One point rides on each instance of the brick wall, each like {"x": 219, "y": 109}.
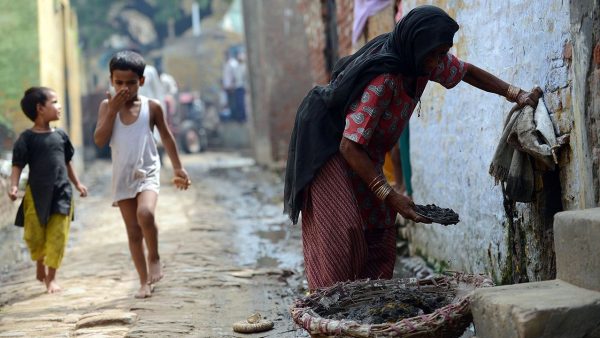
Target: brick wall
{"x": 280, "y": 72}
{"x": 315, "y": 37}
{"x": 380, "y": 23}
{"x": 345, "y": 16}
{"x": 286, "y": 43}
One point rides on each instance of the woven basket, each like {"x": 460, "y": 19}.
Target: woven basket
{"x": 447, "y": 321}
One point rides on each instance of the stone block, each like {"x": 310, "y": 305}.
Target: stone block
{"x": 234, "y": 135}
{"x": 577, "y": 247}
{"x": 546, "y": 309}
{"x": 106, "y": 319}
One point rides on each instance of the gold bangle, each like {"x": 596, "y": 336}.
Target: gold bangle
{"x": 373, "y": 180}
{"x": 377, "y": 192}
{"x": 383, "y": 191}
{"x": 386, "y": 192}
{"x": 376, "y": 182}
{"x": 512, "y": 93}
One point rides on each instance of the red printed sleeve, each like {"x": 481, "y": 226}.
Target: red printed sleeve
{"x": 364, "y": 114}
{"x": 450, "y": 71}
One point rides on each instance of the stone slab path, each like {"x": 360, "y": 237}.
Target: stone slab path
{"x": 228, "y": 252}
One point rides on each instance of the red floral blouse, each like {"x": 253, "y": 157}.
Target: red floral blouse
{"x": 376, "y": 120}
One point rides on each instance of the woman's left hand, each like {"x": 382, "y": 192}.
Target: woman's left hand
{"x": 529, "y": 98}
{"x": 405, "y": 207}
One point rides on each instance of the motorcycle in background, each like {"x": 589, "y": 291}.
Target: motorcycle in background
{"x": 187, "y": 123}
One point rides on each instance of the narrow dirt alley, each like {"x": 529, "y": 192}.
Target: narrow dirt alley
{"x": 227, "y": 249}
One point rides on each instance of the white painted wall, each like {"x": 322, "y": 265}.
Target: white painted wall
{"x": 453, "y": 141}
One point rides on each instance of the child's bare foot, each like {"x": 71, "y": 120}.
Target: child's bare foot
{"x": 156, "y": 274}
{"x": 145, "y": 291}
{"x": 40, "y": 271}
{"x": 52, "y": 287}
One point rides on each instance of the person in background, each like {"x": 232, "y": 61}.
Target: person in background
{"x": 234, "y": 82}
{"x": 229, "y": 82}
{"x": 154, "y": 88}
{"x": 392, "y": 170}
{"x": 240, "y": 87}
{"x": 169, "y": 84}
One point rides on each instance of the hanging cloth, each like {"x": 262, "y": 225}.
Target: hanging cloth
{"x": 363, "y": 9}
{"x": 528, "y": 134}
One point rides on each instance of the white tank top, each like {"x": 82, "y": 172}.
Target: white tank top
{"x": 135, "y": 161}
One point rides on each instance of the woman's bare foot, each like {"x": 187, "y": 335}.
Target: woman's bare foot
{"x": 40, "y": 271}
{"x": 155, "y": 271}
{"x": 145, "y": 291}
{"x": 52, "y": 286}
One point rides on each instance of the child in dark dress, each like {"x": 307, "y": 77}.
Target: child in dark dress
{"x": 47, "y": 207}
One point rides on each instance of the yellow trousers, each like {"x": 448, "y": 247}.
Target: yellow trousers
{"x": 45, "y": 242}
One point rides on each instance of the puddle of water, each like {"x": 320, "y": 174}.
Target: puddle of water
{"x": 263, "y": 236}
{"x": 275, "y": 236}
{"x": 267, "y": 262}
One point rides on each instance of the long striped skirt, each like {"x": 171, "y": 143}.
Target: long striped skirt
{"x": 336, "y": 246}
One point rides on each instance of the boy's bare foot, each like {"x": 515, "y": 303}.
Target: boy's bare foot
{"x": 156, "y": 274}
{"x": 40, "y": 271}
{"x": 145, "y": 291}
{"x": 52, "y": 287}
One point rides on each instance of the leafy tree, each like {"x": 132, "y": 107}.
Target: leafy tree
{"x": 96, "y": 26}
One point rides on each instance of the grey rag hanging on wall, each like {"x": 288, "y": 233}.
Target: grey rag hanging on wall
{"x": 528, "y": 134}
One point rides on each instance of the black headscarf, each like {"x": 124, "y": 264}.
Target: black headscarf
{"x": 320, "y": 118}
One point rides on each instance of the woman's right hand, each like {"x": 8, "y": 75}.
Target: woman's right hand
{"x": 525, "y": 98}
{"x": 403, "y": 205}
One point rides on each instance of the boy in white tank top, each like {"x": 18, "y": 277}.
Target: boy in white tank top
{"x": 127, "y": 121}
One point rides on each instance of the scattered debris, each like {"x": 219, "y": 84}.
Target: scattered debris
{"x": 377, "y": 306}
{"x": 252, "y": 324}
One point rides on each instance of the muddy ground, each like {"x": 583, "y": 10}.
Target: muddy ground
{"x": 227, "y": 248}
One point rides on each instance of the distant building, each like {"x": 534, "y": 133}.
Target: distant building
{"x": 290, "y": 46}
{"x": 39, "y": 48}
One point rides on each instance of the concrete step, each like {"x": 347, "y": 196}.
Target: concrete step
{"x": 546, "y": 309}
{"x": 577, "y": 247}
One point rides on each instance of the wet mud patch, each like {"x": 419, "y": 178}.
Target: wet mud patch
{"x": 274, "y": 236}
{"x": 205, "y": 229}
{"x": 267, "y": 262}
{"x": 263, "y": 236}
